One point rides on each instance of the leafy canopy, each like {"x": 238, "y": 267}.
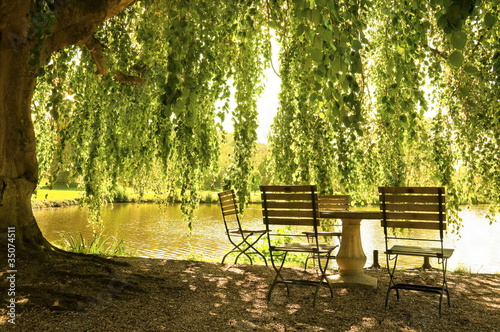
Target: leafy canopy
{"x": 372, "y": 93}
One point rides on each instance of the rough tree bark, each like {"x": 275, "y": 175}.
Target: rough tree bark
{"x": 76, "y": 22}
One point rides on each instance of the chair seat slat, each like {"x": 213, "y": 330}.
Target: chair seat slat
{"x": 288, "y": 205}
{"x": 413, "y": 199}
{"x": 229, "y": 212}
{"x": 414, "y": 216}
{"x": 421, "y": 251}
{"x": 411, "y": 190}
{"x": 291, "y": 213}
{"x": 413, "y": 224}
{"x": 305, "y": 247}
{"x": 290, "y": 221}
{"x": 333, "y": 206}
{"x": 289, "y": 188}
{"x": 411, "y": 207}
{"x": 227, "y": 199}
{"x": 287, "y": 196}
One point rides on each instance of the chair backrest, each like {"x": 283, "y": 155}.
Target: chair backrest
{"x": 413, "y": 207}
{"x": 290, "y": 205}
{"x": 229, "y": 210}
{"x": 333, "y": 202}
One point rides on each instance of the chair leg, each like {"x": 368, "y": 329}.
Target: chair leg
{"x": 323, "y": 279}
{"x": 227, "y": 254}
{"x": 236, "y": 248}
{"x": 244, "y": 251}
{"x": 305, "y": 264}
{"x": 255, "y": 251}
{"x": 444, "y": 264}
{"x": 391, "y": 275}
{"x": 278, "y": 276}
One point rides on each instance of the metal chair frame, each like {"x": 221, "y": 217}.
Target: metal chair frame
{"x": 294, "y": 206}
{"x": 415, "y": 208}
{"x": 240, "y": 238}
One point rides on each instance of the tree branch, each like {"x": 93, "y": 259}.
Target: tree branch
{"x": 124, "y": 78}
{"x": 436, "y": 52}
{"x": 95, "y": 47}
{"x": 77, "y": 20}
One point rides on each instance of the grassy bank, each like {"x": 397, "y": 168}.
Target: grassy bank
{"x": 62, "y": 195}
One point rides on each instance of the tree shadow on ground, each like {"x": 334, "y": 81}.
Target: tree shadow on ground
{"x": 77, "y": 293}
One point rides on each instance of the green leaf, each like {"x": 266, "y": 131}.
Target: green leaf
{"x": 471, "y": 69}
{"x": 313, "y": 97}
{"x": 316, "y": 16}
{"x": 273, "y": 25}
{"x": 356, "y": 66}
{"x": 489, "y": 20}
{"x": 317, "y": 54}
{"x": 337, "y": 65}
{"x": 325, "y": 34}
{"x": 356, "y": 45}
{"x": 459, "y": 39}
{"x": 456, "y": 58}
{"x": 464, "y": 92}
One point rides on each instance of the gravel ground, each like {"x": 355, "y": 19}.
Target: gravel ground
{"x": 86, "y": 293}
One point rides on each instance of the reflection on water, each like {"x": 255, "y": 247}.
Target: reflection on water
{"x": 161, "y": 233}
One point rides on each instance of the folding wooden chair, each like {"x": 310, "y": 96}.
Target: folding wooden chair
{"x": 240, "y": 238}
{"x": 329, "y": 203}
{"x": 415, "y": 208}
{"x": 297, "y": 208}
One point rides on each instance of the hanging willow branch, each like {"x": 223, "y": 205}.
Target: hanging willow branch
{"x": 330, "y": 129}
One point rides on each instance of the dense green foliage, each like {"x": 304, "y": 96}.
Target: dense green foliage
{"x": 373, "y": 93}
{"x": 390, "y": 93}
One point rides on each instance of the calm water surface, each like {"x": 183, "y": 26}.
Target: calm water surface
{"x": 161, "y": 233}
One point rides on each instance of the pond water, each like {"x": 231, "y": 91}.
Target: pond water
{"x": 160, "y": 232}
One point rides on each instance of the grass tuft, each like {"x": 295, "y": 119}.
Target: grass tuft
{"x": 98, "y": 245}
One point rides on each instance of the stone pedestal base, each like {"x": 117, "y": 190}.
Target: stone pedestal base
{"x": 351, "y": 258}
{"x": 354, "y": 281}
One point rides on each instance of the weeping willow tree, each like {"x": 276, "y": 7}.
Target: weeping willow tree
{"x": 126, "y": 92}
{"x": 389, "y": 93}
{"x": 148, "y": 118}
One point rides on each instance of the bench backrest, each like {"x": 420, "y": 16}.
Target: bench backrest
{"x": 229, "y": 209}
{"x": 290, "y": 205}
{"x": 333, "y": 202}
{"x": 413, "y": 207}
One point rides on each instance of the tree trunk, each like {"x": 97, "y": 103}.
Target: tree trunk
{"x": 76, "y": 21}
{"x": 18, "y": 165}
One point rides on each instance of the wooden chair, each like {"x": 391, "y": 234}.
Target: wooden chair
{"x": 415, "y": 208}
{"x": 329, "y": 203}
{"x": 240, "y": 238}
{"x": 295, "y": 207}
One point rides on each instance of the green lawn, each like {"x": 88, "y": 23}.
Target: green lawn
{"x": 56, "y": 194}
{"x": 63, "y": 192}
